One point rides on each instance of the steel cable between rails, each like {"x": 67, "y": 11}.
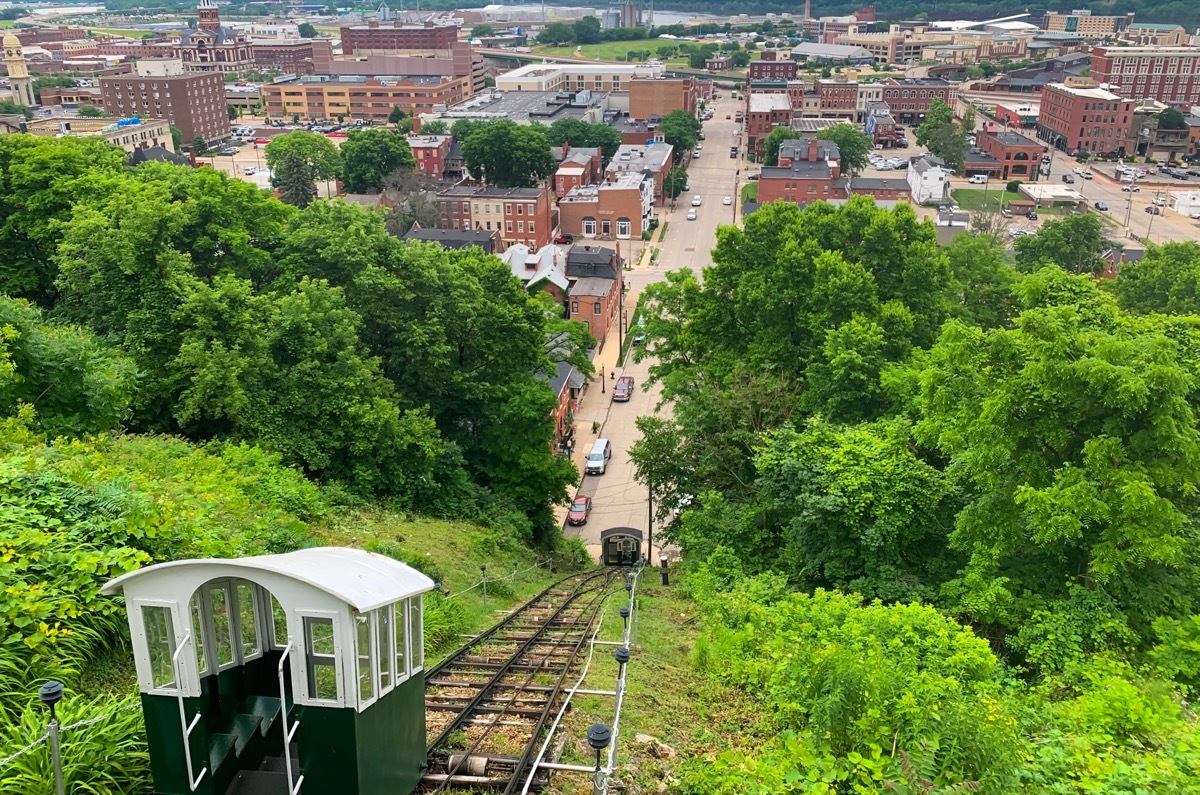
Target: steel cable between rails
{"x": 591, "y": 610}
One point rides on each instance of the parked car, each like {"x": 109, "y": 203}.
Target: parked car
{"x": 639, "y": 338}
{"x": 262, "y": 141}
{"x": 727, "y": 201}
{"x": 1154, "y": 210}
{"x": 580, "y": 508}
{"x": 1131, "y": 188}
{"x": 229, "y": 150}
{"x": 1087, "y": 175}
{"x": 1159, "y": 201}
{"x": 1031, "y": 215}
{"x": 1103, "y": 206}
{"x": 623, "y": 390}
{"x": 1078, "y": 171}
{"x": 564, "y": 240}
{"x": 250, "y": 170}
{"x": 1015, "y": 232}
{"x": 696, "y": 155}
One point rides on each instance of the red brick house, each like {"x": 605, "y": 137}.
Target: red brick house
{"x": 807, "y": 171}
{"x": 765, "y": 112}
{"x": 576, "y": 167}
{"x": 1018, "y": 156}
{"x": 521, "y": 215}
{"x": 431, "y": 152}
{"x": 597, "y": 283}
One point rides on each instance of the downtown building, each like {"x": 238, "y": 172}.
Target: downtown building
{"x": 1080, "y": 115}
{"x": 1170, "y": 75}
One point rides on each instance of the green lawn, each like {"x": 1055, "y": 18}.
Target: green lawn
{"x": 972, "y": 199}
{"x": 612, "y": 50}
{"x": 750, "y": 192}
{"x": 7, "y": 23}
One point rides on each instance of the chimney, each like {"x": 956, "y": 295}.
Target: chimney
{"x": 566, "y": 148}
{"x": 812, "y": 150}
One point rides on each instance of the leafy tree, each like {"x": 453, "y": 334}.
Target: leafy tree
{"x": 41, "y": 180}
{"x": 853, "y": 144}
{"x": 230, "y": 110}
{"x": 369, "y": 155}
{"x": 568, "y": 131}
{"x": 199, "y": 145}
{"x": 556, "y": 33}
{"x": 462, "y": 129}
{"x": 741, "y": 59}
{"x": 1076, "y": 243}
{"x": 1074, "y": 436}
{"x": 586, "y": 30}
{"x": 508, "y": 155}
{"x": 51, "y": 81}
{"x": 675, "y": 182}
{"x": 434, "y": 127}
{"x": 419, "y": 208}
{"x": 176, "y": 138}
{"x": 1167, "y": 279}
{"x": 681, "y": 130}
{"x": 604, "y": 138}
{"x": 74, "y": 384}
{"x": 942, "y": 135}
{"x": 1171, "y": 119}
{"x": 696, "y": 59}
{"x": 397, "y": 115}
{"x": 307, "y": 31}
{"x": 858, "y": 510}
{"x": 316, "y": 152}
{"x": 480, "y": 31}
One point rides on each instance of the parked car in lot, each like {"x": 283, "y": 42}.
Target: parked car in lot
{"x": 563, "y": 240}
{"x": 1154, "y": 210}
{"x": 250, "y": 170}
{"x": 623, "y": 390}
{"x": 580, "y": 508}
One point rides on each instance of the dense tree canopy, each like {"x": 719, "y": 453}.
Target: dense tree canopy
{"x": 507, "y": 154}
{"x": 369, "y": 156}
{"x": 681, "y": 130}
{"x": 943, "y": 136}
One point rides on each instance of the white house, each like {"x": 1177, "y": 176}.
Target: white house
{"x": 1186, "y": 202}
{"x": 929, "y": 180}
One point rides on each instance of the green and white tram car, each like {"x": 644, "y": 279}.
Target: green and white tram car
{"x": 292, "y": 673}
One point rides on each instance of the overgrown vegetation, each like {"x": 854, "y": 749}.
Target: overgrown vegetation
{"x": 932, "y": 486}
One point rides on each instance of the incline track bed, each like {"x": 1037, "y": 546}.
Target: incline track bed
{"x": 487, "y": 705}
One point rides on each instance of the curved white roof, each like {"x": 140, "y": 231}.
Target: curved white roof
{"x": 363, "y": 580}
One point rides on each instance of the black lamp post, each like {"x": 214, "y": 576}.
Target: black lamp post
{"x": 624, "y": 611}
{"x": 622, "y": 656}
{"x": 662, "y": 559}
{"x": 50, "y": 694}
{"x": 483, "y": 574}
{"x": 598, "y": 737}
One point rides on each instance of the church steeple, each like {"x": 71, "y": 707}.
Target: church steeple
{"x": 210, "y": 17}
{"x": 18, "y": 70}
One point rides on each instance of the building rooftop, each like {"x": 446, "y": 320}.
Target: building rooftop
{"x": 926, "y": 82}
{"x": 1163, "y": 26}
{"x": 1095, "y": 92}
{"x": 879, "y": 183}
{"x": 422, "y": 141}
{"x": 799, "y": 168}
{"x": 492, "y": 192}
{"x": 351, "y": 80}
{"x": 592, "y": 286}
{"x": 455, "y": 238}
{"x": 1013, "y": 139}
{"x": 526, "y": 106}
{"x": 655, "y": 156}
{"x": 815, "y": 125}
{"x": 927, "y": 162}
{"x": 847, "y": 51}
{"x": 769, "y": 103}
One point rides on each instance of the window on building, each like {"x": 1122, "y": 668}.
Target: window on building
{"x": 575, "y": 307}
{"x": 596, "y": 308}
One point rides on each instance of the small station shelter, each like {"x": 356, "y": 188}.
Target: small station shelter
{"x": 290, "y": 673}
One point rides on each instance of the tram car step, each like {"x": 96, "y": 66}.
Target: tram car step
{"x": 258, "y": 782}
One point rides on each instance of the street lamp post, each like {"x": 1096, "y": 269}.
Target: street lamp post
{"x": 50, "y": 694}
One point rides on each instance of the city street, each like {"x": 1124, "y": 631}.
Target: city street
{"x": 618, "y": 500}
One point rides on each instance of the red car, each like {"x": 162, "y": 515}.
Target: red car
{"x": 623, "y": 389}
{"x": 579, "y": 510}
{"x": 563, "y": 240}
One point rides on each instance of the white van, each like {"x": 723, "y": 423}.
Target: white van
{"x": 597, "y": 458}
{"x": 978, "y": 179}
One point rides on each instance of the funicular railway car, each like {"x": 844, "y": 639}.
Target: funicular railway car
{"x": 621, "y": 546}
{"x": 293, "y": 673}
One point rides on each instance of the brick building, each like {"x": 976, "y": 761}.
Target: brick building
{"x": 596, "y": 286}
{"x": 193, "y": 102}
{"x": 765, "y": 112}
{"x": 1166, "y": 74}
{"x": 1086, "y": 23}
{"x": 378, "y": 38}
{"x": 910, "y": 97}
{"x": 431, "y": 152}
{"x": 212, "y": 47}
{"x": 1079, "y": 115}
{"x": 1018, "y": 156}
{"x": 881, "y": 189}
{"x": 655, "y": 97}
{"x": 839, "y": 98}
{"x": 621, "y": 208}
{"x": 521, "y": 215}
{"x": 357, "y": 97}
{"x": 806, "y": 173}
{"x": 771, "y": 69}
{"x": 293, "y": 56}
{"x": 655, "y": 158}
{"x": 43, "y": 35}
{"x": 72, "y": 96}
{"x": 576, "y": 167}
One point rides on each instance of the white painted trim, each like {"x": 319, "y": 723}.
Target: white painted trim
{"x": 300, "y": 661}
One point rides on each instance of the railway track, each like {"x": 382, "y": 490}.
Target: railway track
{"x": 487, "y": 705}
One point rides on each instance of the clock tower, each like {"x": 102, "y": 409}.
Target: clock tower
{"x": 18, "y": 71}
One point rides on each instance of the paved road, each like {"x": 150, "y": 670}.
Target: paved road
{"x": 618, "y": 499}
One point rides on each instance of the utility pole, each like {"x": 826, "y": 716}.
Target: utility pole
{"x": 649, "y": 518}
